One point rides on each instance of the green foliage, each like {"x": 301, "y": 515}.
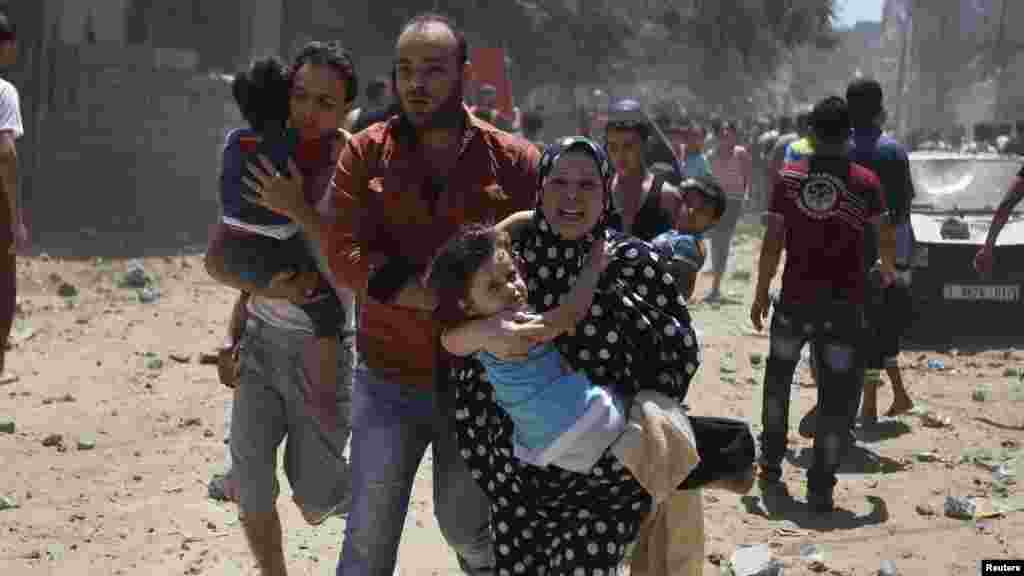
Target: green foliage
{"x": 734, "y": 43}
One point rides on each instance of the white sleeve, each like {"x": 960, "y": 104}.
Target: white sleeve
{"x": 10, "y": 110}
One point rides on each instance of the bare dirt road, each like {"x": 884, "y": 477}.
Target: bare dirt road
{"x": 140, "y": 424}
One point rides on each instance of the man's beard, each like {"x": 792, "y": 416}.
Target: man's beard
{"x": 448, "y": 116}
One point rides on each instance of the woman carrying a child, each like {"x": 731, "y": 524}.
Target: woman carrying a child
{"x": 566, "y": 492}
{"x": 279, "y": 332}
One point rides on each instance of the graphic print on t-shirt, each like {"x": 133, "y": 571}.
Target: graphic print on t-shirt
{"x": 820, "y": 194}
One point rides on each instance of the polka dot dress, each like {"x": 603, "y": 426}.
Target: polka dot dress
{"x": 548, "y": 521}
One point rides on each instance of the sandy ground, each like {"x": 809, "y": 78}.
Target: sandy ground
{"x": 141, "y": 424}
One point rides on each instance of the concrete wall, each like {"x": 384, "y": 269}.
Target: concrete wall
{"x": 131, "y": 154}
{"x": 104, "y": 18}
{"x": 123, "y": 146}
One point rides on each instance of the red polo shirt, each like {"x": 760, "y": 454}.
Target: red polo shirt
{"x": 826, "y": 206}
{"x": 390, "y": 206}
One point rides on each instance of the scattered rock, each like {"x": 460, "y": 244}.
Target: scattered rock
{"x": 211, "y": 526}
{"x": 814, "y": 556}
{"x": 6, "y": 426}
{"x": 207, "y": 359}
{"x": 53, "y": 440}
{"x": 888, "y": 569}
{"x": 66, "y": 290}
{"x": 1004, "y": 473}
{"x": 8, "y": 503}
{"x": 755, "y": 560}
{"x": 932, "y": 420}
{"x": 208, "y": 433}
{"x": 925, "y": 509}
{"x": 960, "y": 508}
{"x": 86, "y": 443}
{"x": 1017, "y": 391}
{"x": 55, "y": 551}
{"x": 135, "y": 276}
{"x": 190, "y": 422}
{"x": 180, "y": 358}
{"x": 981, "y": 394}
{"x": 148, "y": 295}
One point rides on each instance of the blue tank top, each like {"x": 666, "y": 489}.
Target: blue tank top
{"x": 542, "y": 400}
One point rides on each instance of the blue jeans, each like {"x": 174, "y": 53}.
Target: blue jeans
{"x": 392, "y": 425}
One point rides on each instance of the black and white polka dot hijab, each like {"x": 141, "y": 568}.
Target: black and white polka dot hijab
{"x": 638, "y": 332}
{"x": 542, "y": 247}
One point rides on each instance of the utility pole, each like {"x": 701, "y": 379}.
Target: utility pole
{"x": 901, "y": 75}
{"x": 1001, "y": 61}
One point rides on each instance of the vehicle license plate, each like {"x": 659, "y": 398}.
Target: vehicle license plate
{"x": 993, "y": 293}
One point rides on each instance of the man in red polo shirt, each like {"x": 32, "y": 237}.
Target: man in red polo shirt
{"x": 402, "y": 188}
{"x": 820, "y": 211}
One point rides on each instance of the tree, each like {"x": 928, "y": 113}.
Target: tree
{"x": 550, "y": 41}
{"x": 740, "y": 44}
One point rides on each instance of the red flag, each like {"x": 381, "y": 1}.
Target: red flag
{"x": 489, "y": 68}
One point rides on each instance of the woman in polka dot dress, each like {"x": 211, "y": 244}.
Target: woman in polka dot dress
{"x": 637, "y": 334}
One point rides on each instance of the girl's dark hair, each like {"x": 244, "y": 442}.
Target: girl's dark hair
{"x": 331, "y": 54}
{"x": 455, "y": 264}
{"x": 262, "y": 94}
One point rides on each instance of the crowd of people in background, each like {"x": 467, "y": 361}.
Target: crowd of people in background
{"x": 529, "y": 302}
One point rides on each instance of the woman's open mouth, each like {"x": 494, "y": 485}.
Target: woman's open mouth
{"x": 571, "y": 215}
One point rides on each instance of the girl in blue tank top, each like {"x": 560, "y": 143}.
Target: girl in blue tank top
{"x": 561, "y": 418}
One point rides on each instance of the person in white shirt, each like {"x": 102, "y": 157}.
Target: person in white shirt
{"x": 13, "y": 234}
